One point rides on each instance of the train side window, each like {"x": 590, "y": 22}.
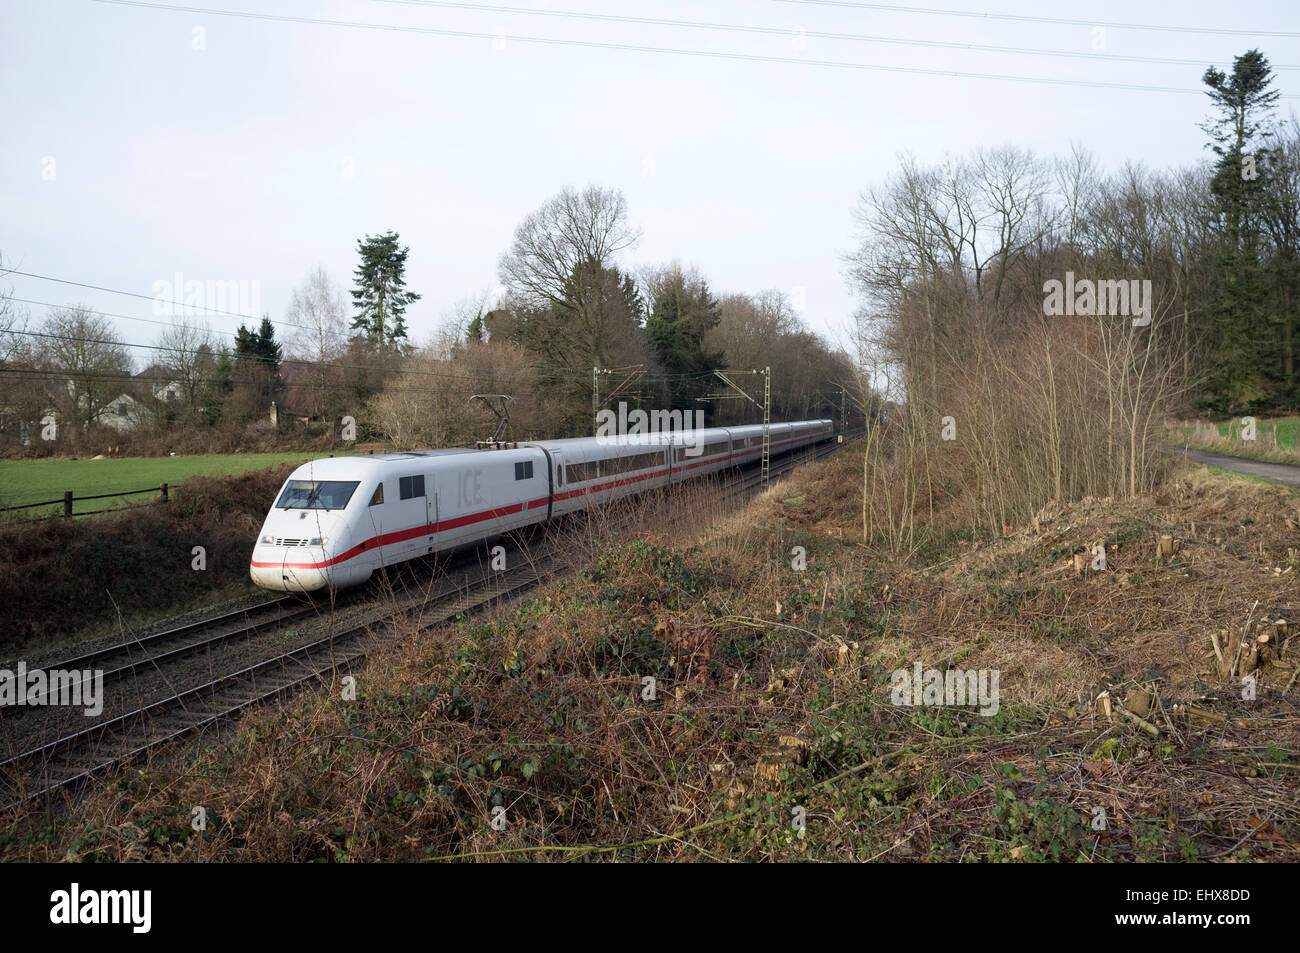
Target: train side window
{"x": 378, "y": 498}
{"x": 524, "y": 470}
{"x": 559, "y": 475}
{"x": 409, "y": 487}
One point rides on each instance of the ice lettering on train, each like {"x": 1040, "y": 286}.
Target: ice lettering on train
{"x": 470, "y": 483}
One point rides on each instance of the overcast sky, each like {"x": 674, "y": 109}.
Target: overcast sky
{"x": 140, "y": 143}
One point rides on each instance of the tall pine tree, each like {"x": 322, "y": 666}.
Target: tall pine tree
{"x": 380, "y": 295}
{"x": 1242, "y": 332}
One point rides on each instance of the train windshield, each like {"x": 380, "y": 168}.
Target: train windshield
{"x": 317, "y": 494}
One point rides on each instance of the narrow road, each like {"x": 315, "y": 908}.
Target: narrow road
{"x": 1277, "y": 472}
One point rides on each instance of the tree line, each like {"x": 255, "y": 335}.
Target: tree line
{"x": 575, "y": 329}
{"x": 957, "y": 264}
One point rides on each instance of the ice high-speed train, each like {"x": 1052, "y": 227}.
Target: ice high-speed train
{"x": 339, "y": 519}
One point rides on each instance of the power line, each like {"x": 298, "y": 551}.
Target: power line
{"x": 136, "y": 294}
{"x": 577, "y": 372}
{"x": 1023, "y": 18}
{"x": 125, "y": 379}
{"x": 254, "y": 358}
{"x": 248, "y": 358}
{"x": 131, "y": 317}
{"x": 787, "y": 33}
{"x": 675, "y": 51}
{"x": 545, "y": 373}
{"x": 107, "y": 314}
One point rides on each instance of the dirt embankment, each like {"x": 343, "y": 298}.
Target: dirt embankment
{"x": 694, "y": 694}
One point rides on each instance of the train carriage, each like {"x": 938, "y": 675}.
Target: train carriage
{"x": 339, "y": 519}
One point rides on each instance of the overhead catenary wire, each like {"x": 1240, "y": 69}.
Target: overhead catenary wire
{"x": 468, "y": 381}
{"x": 674, "y": 51}
{"x": 125, "y": 380}
{"x": 801, "y": 32}
{"x": 1030, "y": 18}
{"x": 545, "y": 370}
{"x": 184, "y": 308}
{"x": 567, "y": 374}
{"x": 145, "y": 297}
{"x": 577, "y": 372}
{"x": 38, "y": 374}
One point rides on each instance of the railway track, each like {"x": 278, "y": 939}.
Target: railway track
{"x": 75, "y": 757}
{"x": 68, "y": 761}
{"x": 126, "y": 658}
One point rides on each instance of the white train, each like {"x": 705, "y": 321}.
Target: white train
{"x": 339, "y": 519}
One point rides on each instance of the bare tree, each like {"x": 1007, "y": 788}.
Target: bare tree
{"x": 1033, "y": 407}
{"x": 89, "y": 365}
{"x": 1013, "y": 190}
{"x": 1077, "y": 181}
{"x": 465, "y": 322}
{"x": 20, "y": 399}
{"x": 318, "y": 310}
{"x": 187, "y": 358}
{"x": 750, "y": 326}
{"x": 563, "y": 262}
{"x": 13, "y": 323}
{"x": 572, "y": 230}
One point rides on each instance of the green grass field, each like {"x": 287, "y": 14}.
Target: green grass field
{"x": 1277, "y": 439}
{"x": 1288, "y": 430}
{"x": 31, "y": 481}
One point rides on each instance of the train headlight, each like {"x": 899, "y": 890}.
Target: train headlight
{"x": 269, "y": 540}
{"x": 319, "y": 541}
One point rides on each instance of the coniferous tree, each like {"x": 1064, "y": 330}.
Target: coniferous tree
{"x": 257, "y": 360}
{"x": 268, "y": 349}
{"x": 380, "y": 295}
{"x": 218, "y": 387}
{"x": 474, "y": 331}
{"x": 1282, "y": 224}
{"x": 1241, "y": 329}
{"x": 682, "y": 311}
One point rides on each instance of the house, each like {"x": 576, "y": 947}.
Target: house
{"x": 159, "y": 383}
{"x": 122, "y": 413}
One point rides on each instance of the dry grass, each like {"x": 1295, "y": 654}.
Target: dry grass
{"x": 1275, "y": 439}
{"x": 772, "y": 697}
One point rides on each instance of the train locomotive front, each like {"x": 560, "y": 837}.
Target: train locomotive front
{"x": 308, "y": 540}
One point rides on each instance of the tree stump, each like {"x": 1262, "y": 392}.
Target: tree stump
{"x": 1167, "y": 547}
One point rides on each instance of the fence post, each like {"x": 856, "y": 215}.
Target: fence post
{"x": 67, "y": 502}
{"x": 164, "y": 492}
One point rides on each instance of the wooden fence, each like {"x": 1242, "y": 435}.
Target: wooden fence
{"x": 68, "y": 499}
